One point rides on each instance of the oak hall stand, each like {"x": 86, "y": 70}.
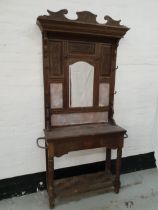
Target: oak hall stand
{"x": 79, "y": 64}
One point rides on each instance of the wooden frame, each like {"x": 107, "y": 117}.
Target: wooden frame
{"x": 65, "y": 42}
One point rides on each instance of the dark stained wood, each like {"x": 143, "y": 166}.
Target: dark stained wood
{"x": 66, "y": 76}
{"x": 50, "y": 175}
{"x": 84, "y": 16}
{"x": 79, "y": 137}
{"x": 60, "y": 15}
{"x": 83, "y": 130}
{"x": 117, "y": 182}
{"x": 112, "y": 22}
{"x": 86, "y": 23}
{"x": 81, "y": 48}
{"x": 112, "y": 83}
{"x": 83, "y": 183}
{"x": 55, "y": 56}
{"x": 65, "y": 42}
{"x": 45, "y": 78}
{"x": 105, "y": 63}
{"x": 105, "y": 79}
{"x": 65, "y": 146}
{"x": 108, "y": 159}
{"x": 79, "y": 110}
{"x": 75, "y": 58}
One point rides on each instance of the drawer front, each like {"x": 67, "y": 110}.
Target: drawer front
{"x": 91, "y": 142}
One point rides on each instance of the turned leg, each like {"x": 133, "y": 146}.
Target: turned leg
{"x": 118, "y": 168}
{"x": 50, "y": 175}
{"x": 108, "y": 160}
{"x": 46, "y": 153}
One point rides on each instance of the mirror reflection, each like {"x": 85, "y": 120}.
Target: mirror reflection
{"x": 81, "y": 79}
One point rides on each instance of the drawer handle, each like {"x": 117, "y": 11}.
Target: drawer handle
{"x": 38, "y": 140}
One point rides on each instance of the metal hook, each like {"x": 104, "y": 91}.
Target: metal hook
{"x": 125, "y": 135}
{"x": 115, "y": 68}
{"x": 37, "y": 142}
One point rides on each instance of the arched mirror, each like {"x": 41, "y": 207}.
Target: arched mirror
{"x": 81, "y": 82}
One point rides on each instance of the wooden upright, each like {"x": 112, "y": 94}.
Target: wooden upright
{"x": 77, "y": 117}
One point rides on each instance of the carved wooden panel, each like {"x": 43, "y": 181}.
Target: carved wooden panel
{"x": 55, "y": 58}
{"x": 79, "y": 118}
{"x": 81, "y": 48}
{"x": 105, "y": 55}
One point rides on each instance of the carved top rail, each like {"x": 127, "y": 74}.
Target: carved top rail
{"x": 84, "y": 24}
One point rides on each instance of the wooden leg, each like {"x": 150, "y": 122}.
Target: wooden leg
{"x": 118, "y": 168}
{"x": 108, "y": 160}
{"x": 46, "y": 153}
{"x": 50, "y": 176}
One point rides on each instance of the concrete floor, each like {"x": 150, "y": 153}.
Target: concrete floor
{"x": 139, "y": 192}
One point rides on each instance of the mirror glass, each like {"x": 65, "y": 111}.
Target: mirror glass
{"x": 81, "y": 79}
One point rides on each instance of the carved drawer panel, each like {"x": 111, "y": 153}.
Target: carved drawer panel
{"x": 55, "y": 58}
{"x": 81, "y": 48}
{"x": 105, "y": 55}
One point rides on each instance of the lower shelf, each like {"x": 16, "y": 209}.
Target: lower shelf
{"x": 84, "y": 183}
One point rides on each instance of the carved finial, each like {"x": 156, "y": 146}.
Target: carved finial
{"x": 111, "y": 21}
{"x": 86, "y": 17}
{"x": 60, "y": 15}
